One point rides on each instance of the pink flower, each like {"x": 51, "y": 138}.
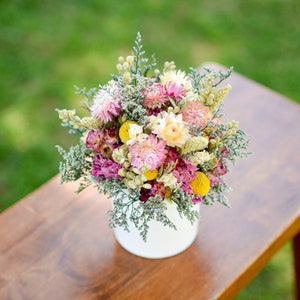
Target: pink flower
{"x": 105, "y": 168}
{"x": 197, "y": 199}
{"x": 224, "y": 152}
{"x": 185, "y": 172}
{"x": 154, "y": 98}
{"x": 103, "y": 141}
{"x": 196, "y": 114}
{"x": 105, "y": 106}
{"x": 175, "y": 91}
{"x": 149, "y": 152}
{"x": 220, "y": 169}
{"x": 171, "y": 157}
{"x": 214, "y": 180}
{"x": 94, "y": 140}
{"x": 157, "y": 188}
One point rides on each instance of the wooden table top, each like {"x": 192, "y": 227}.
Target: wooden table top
{"x": 57, "y": 245}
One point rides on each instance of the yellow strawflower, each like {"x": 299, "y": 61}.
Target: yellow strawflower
{"x": 200, "y": 185}
{"x": 150, "y": 175}
{"x": 123, "y": 131}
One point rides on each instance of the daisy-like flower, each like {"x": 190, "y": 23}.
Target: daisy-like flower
{"x": 172, "y": 129}
{"x": 135, "y": 133}
{"x": 148, "y": 152}
{"x": 178, "y": 77}
{"x": 196, "y": 114}
{"x": 175, "y": 91}
{"x": 105, "y": 106}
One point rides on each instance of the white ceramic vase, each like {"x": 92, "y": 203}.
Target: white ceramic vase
{"x": 162, "y": 241}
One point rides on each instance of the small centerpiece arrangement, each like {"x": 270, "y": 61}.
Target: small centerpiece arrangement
{"x": 154, "y": 141}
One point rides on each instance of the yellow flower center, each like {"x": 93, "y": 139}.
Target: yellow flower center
{"x": 124, "y": 131}
{"x": 201, "y": 184}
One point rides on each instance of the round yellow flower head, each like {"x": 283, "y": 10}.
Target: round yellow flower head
{"x": 200, "y": 185}
{"x": 150, "y": 175}
{"x": 124, "y": 131}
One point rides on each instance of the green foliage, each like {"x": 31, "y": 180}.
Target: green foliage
{"x": 140, "y": 68}
{"x": 74, "y": 164}
{"x": 218, "y": 194}
{"x": 139, "y": 213}
{"x": 132, "y": 102}
{"x": 185, "y": 206}
{"x": 219, "y": 76}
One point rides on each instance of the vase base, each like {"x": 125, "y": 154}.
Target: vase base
{"x": 151, "y": 249}
{"x": 162, "y": 241}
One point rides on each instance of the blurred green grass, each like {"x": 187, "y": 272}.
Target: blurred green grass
{"x": 46, "y": 47}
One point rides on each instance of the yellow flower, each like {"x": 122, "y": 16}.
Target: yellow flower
{"x": 150, "y": 175}
{"x": 168, "y": 192}
{"x": 123, "y": 131}
{"x": 200, "y": 185}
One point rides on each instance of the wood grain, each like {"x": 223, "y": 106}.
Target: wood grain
{"x": 57, "y": 245}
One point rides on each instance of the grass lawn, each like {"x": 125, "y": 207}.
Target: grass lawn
{"x": 46, "y": 47}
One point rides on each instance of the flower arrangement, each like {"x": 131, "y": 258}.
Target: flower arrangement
{"x": 153, "y": 137}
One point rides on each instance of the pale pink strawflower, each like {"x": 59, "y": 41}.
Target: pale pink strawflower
{"x": 175, "y": 91}
{"x": 178, "y": 77}
{"x": 105, "y": 106}
{"x": 196, "y": 114}
{"x": 154, "y": 98}
{"x": 149, "y": 152}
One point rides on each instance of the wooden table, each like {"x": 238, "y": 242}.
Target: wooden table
{"x": 57, "y": 245}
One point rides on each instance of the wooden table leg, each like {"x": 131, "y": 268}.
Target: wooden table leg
{"x": 296, "y": 245}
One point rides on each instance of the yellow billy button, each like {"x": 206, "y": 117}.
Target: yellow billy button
{"x": 123, "y": 131}
{"x": 150, "y": 175}
{"x": 200, "y": 185}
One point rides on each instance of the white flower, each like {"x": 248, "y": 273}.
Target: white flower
{"x": 169, "y": 180}
{"x": 172, "y": 129}
{"x": 178, "y": 77}
{"x": 201, "y": 157}
{"x": 135, "y": 133}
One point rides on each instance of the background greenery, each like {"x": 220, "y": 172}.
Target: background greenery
{"x": 46, "y": 47}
